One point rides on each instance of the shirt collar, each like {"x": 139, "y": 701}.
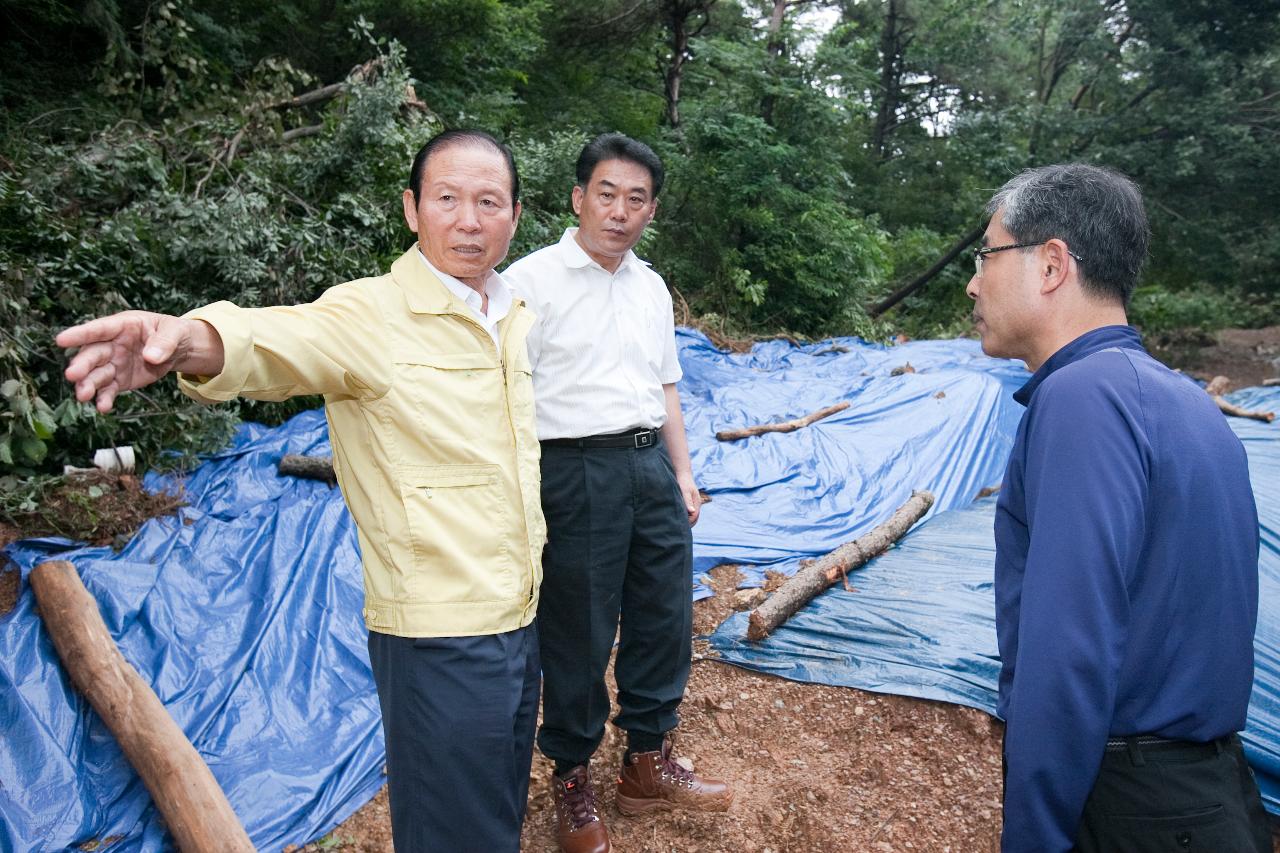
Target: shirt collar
{"x": 1096, "y": 340}
{"x": 495, "y": 288}
{"x": 576, "y": 257}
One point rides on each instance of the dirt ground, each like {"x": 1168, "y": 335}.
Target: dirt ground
{"x": 1245, "y": 356}
{"x": 813, "y": 767}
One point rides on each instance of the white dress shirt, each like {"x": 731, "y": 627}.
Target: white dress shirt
{"x": 494, "y": 287}
{"x": 603, "y": 344}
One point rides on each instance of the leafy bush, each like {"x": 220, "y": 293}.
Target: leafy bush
{"x": 1156, "y": 311}
{"x": 232, "y": 195}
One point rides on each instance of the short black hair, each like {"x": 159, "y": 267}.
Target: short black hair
{"x": 616, "y": 146}
{"x": 1096, "y": 211}
{"x": 450, "y": 138}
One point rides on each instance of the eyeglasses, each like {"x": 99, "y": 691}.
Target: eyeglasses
{"x": 980, "y": 253}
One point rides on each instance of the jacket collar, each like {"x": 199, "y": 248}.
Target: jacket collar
{"x": 423, "y": 291}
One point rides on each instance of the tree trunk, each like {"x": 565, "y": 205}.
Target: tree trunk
{"x": 905, "y": 291}
{"x": 307, "y": 467}
{"x": 825, "y": 571}
{"x": 679, "y": 14}
{"x": 890, "y": 78}
{"x": 185, "y": 792}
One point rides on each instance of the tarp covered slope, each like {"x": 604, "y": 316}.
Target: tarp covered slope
{"x": 922, "y": 619}
{"x": 776, "y": 498}
{"x": 243, "y": 614}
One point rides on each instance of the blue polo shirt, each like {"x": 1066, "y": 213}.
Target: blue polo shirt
{"x": 1126, "y": 576}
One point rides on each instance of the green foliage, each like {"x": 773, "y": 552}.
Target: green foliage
{"x": 147, "y": 158}
{"x": 788, "y": 253}
{"x": 160, "y": 215}
{"x": 1155, "y": 310}
{"x": 546, "y": 167}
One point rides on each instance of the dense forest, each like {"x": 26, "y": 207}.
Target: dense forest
{"x": 823, "y": 157}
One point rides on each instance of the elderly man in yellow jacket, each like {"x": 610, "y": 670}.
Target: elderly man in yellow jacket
{"x": 428, "y": 395}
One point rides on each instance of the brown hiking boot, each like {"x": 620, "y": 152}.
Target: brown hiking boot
{"x": 653, "y": 781}
{"x": 579, "y": 828}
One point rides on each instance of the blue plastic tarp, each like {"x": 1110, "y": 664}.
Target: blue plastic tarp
{"x": 776, "y": 498}
{"x": 243, "y": 614}
{"x": 922, "y": 619}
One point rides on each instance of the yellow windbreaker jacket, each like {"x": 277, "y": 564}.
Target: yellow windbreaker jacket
{"x": 433, "y": 440}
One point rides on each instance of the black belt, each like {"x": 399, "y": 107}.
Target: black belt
{"x": 634, "y": 438}
{"x": 1151, "y": 743}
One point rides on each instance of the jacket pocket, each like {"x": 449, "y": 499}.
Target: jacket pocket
{"x": 450, "y": 394}
{"x": 457, "y": 522}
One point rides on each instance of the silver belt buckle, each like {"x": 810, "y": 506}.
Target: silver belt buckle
{"x": 644, "y": 439}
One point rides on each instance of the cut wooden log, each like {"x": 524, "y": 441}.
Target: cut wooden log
{"x": 1218, "y": 386}
{"x": 1236, "y": 412}
{"x": 783, "y": 426}
{"x": 184, "y": 791}
{"x": 307, "y": 467}
{"x": 1271, "y": 383}
{"x": 825, "y": 571}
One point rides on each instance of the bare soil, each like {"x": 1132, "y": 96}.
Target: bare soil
{"x": 1245, "y": 356}
{"x": 97, "y": 507}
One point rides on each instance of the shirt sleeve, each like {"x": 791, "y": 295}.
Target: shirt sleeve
{"x": 1086, "y": 486}
{"x": 671, "y": 371}
{"x": 334, "y": 346}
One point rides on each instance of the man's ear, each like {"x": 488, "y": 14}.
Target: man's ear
{"x": 515, "y": 217}
{"x": 1055, "y": 264}
{"x": 578, "y": 195}
{"x": 410, "y": 210}
{"x": 653, "y": 211}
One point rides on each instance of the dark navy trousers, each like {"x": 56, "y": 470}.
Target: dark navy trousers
{"x": 459, "y": 715}
{"x": 618, "y": 551}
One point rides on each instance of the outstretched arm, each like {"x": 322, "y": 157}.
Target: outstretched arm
{"x": 133, "y": 349}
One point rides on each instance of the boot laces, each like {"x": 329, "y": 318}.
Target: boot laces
{"x": 672, "y": 771}
{"x": 580, "y": 802}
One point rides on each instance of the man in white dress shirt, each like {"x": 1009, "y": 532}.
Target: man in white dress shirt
{"x": 618, "y": 494}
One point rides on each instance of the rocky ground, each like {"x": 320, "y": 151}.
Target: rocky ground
{"x": 813, "y": 767}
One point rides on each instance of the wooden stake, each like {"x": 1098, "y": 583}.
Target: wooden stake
{"x": 825, "y": 571}
{"x": 783, "y": 426}
{"x": 184, "y": 791}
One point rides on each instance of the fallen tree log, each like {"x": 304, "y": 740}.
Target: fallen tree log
{"x": 825, "y": 571}
{"x": 1218, "y": 386}
{"x": 194, "y": 808}
{"x": 782, "y": 426}
{"x": 1236, "y": 412}
{"x": 307, "y": 467}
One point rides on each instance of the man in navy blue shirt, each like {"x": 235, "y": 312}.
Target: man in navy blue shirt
{"x": 1126, "y": 576}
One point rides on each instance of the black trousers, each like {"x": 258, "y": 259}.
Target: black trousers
{"x": 1177, "y": 799}
{"x": 619, "y": 549}
{"x": 459, "y": 715}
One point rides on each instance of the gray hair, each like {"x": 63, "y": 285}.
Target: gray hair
{"x": 1098, "y": 213}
